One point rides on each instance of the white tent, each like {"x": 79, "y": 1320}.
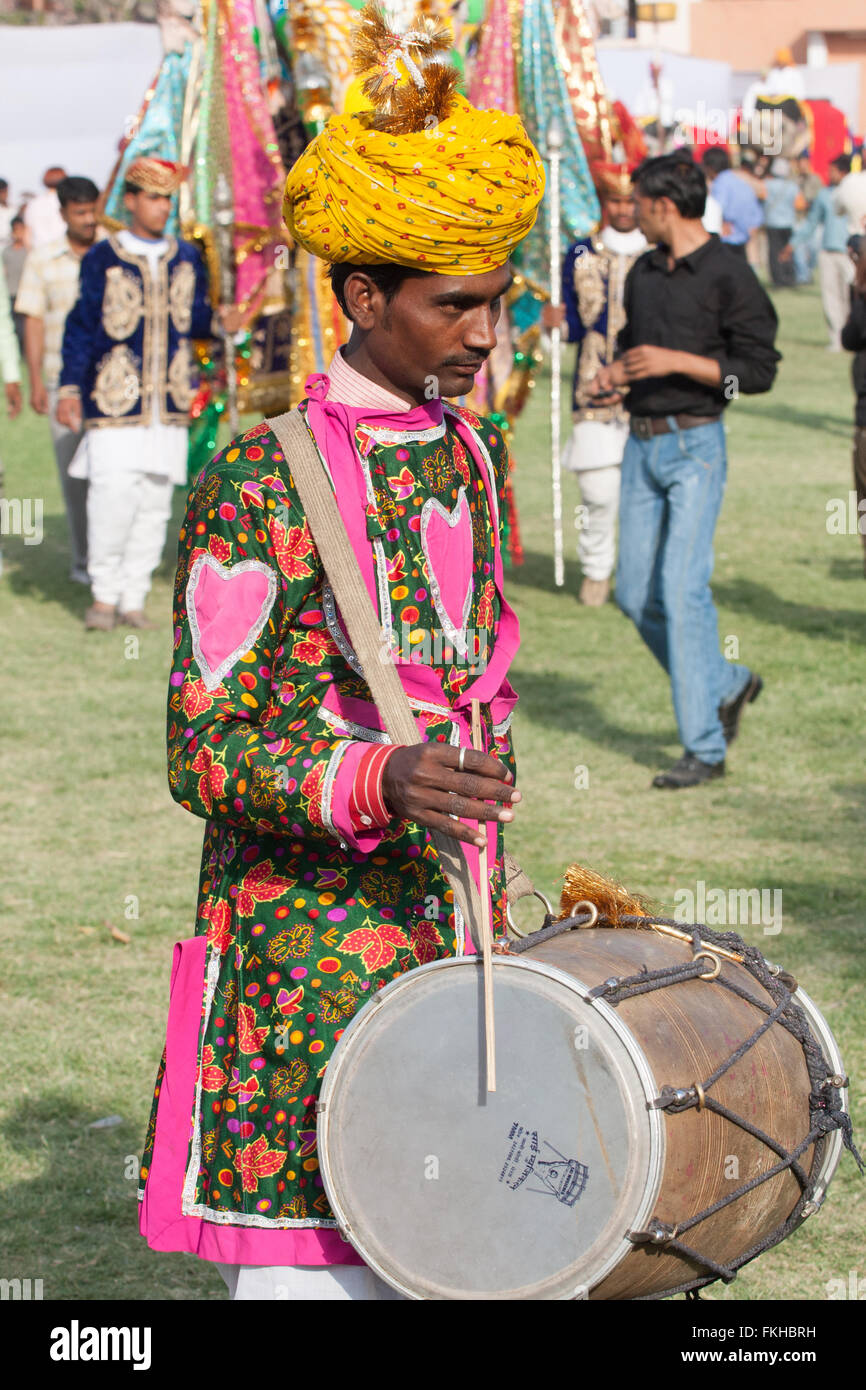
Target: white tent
{"x": 67, "y": 94}
{"x": 686, "y": 84}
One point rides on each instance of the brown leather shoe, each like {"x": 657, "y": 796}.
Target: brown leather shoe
{"x": 135, "y": 619}
{"x": 594, "y": 592}
{"x": 99, "y": 619}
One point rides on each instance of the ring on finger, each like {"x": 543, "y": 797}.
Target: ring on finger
{"x": 461, "y": 759}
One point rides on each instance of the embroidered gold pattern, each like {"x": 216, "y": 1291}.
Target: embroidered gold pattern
{"x": 180, "y": 295}
{"x": 592, "y": 356}
{"x": 590, "y": 282}
{"x": 619, "y": 269}
{"x": 117, "y": 386}
{"x": 153, "y": 391}
{"x": 122, "y": 303}
{"x": 599, "y": 279}
{"x": 180, "y": 377}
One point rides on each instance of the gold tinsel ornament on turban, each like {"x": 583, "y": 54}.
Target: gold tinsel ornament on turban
{"x": 420, "y": 178}
{"x": 153, "y": 175}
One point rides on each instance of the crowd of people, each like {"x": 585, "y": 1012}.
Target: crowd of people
{"x": 595, "y": 271}
{"x": 787, "y": 221}
{"x": 105, "y": 324}
{"x": 105, "y": 321}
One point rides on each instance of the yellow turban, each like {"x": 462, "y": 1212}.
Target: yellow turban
{"x": 455, "y": 198}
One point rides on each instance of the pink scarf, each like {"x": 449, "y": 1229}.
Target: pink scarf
{"x": 333, "y": 426}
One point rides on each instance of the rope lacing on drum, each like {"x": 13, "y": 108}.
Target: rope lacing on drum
{"x": 825, "y": 1110}
{"x": 627, "y": 986}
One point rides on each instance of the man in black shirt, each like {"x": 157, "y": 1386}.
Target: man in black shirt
{"x": 699, "y": 330}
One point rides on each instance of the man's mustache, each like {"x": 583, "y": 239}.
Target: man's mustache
{"x": 465, "y": 361}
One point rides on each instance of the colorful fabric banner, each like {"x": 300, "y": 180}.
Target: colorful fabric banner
{"x": 543, "y": 94}
{"x": 257, "y": 169}
{"x": 156, "y": 132}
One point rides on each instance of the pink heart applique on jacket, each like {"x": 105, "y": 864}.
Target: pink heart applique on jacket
{"x": 227, "y": 609}
{"x": 446, "y": 538}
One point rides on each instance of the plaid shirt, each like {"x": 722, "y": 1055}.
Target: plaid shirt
{"x": 47, "y": 291}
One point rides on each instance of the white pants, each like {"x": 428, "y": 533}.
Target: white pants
{"x": 596, "y": 541}
{"x": 836, "y": 274}
{"x": 127, "y": 520}
{"x": 313, "y": 1283}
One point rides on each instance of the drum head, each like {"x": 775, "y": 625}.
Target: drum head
{"x": 449, "y": 1192}
{"x": 832, "y": 1143}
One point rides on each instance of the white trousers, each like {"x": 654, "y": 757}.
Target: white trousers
{"x": 836, "y": 275}
{"x": 127, "y": 520}
{"x": 313, "y": 1283}
{"x": 596, "y": 541}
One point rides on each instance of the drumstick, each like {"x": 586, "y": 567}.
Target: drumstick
{"x": 486, "y": 924}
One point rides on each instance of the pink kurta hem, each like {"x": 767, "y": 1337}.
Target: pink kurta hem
{"x": 160, "y": 1215}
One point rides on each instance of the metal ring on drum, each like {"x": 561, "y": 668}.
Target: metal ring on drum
{"x": 716, "y": 968}
{"x": 509, "y": 917}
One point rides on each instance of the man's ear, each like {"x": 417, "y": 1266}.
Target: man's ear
{"x": 361, "y": 297}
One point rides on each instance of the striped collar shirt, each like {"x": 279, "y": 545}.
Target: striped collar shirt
{"x": 348, "y": 387}
{"x": 47, "y": 290}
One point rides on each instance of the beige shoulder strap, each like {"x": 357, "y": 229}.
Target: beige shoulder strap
{"x": 359, "y": 616}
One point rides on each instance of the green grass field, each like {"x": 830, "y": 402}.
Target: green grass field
{"x": 92, "y": 840}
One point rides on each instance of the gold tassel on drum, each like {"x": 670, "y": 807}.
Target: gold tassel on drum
{"x": 612, "y": 901}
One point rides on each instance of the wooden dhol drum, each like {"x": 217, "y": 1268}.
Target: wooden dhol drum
{"x": 575, "y": 1178}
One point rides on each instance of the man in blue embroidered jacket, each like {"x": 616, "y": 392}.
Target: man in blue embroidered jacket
{"x": 128, "y": 373}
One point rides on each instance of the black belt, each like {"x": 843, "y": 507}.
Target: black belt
{"x": 645, "y": 426}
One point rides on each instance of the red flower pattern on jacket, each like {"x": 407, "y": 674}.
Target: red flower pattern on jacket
{"x": 212, "y": 782}
{"x": 291, "y": 545}
{"x": 261, "y": 884}
{"x": 258, "y": 1161}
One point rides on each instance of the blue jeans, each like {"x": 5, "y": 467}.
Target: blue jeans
{"x": 672, "y": 487}
{"x": 805, "y": 259}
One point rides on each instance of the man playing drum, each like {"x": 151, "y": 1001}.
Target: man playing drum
{"x": 320, "y": 881}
